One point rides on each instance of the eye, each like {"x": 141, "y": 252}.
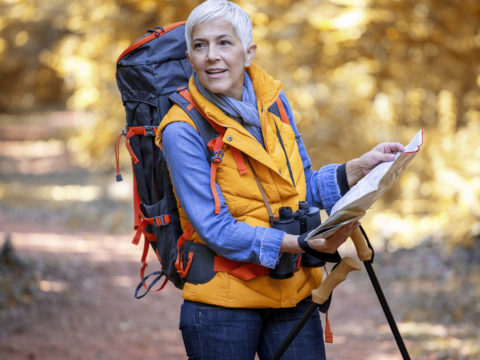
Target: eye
{"x": 225, "y": 42}
{"x": 198, "y": 45}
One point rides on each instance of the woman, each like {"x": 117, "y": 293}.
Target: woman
{"x": 226, "y": 315}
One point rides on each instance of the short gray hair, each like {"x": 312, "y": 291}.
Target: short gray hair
{"x": 220, "y": 9}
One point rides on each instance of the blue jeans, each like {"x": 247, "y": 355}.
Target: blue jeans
{"x": 218, "y": 333}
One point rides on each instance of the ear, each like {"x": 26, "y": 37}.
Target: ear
{"x": 188, "y": 56}
{"x": 250, "y": 54}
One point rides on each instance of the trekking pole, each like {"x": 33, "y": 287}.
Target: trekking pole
{"x": 320, "y": 296}
{"x": 365, "y": 253}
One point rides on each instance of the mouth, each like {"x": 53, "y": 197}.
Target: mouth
{"x": 215, "y": 71}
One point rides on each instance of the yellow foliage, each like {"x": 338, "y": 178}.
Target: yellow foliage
{"x": 356, "y": 73}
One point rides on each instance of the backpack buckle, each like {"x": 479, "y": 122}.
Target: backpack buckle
{"x": 217, "y": 156}
{"x": 149, "y": 130}
{"x": 161, "y": 220}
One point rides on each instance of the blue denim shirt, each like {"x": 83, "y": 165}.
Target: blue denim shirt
{"x": 186, "y": 156}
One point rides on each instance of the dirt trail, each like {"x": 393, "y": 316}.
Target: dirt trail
{"x": 85, "y": 307}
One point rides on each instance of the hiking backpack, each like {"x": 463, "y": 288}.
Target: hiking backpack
{"x": 148, "y": 73}
{"x": 152, "y": 74}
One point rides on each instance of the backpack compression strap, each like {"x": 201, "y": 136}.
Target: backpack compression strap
{"x": 140, "y": 220}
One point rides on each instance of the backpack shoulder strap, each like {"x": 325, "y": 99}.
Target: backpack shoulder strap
{"x": 183, "y": 99}
{"x": 211, "y": 133}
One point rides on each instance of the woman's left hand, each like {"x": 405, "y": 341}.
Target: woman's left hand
{"x": 358, "y": 168}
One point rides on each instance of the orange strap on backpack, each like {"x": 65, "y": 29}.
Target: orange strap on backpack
{"x": 241, "y": 270}
{"x": 181, "y": 269}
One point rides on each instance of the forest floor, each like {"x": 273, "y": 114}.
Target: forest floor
{"x": 68, "y": 292}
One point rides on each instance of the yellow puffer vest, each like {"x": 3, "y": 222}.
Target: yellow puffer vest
{"x": 245, "y": 201}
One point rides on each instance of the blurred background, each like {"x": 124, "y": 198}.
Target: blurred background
{"x": 356, "y": 72}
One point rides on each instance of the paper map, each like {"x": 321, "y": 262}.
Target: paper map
{"x": 354, "y": 204}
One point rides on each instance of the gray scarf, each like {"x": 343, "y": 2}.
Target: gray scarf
{"x": 245, "y": 111}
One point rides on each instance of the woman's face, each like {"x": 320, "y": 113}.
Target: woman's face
{"x": 218, "y": 58}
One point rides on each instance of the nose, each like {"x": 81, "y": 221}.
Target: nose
{"x": 212, "y": 54}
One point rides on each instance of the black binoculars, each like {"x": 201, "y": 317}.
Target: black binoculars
{"x": 305, "y": 219}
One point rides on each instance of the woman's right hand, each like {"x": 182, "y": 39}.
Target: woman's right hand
{"x": 325, "y": 245}
{"x": 330, "y": 244}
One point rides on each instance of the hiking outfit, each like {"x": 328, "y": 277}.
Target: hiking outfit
{"x": 272, "y": 151}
